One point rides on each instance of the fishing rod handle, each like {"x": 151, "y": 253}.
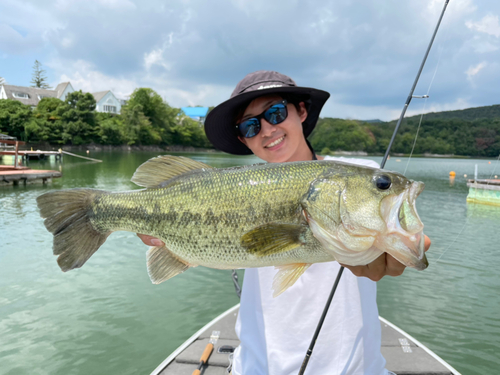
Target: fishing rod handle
{"x": 207, "y": 352}
{"x": 204, "y": 358}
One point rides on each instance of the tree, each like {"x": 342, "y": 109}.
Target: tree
{"x": 78, "y": 117}
{"x": 14, "y": 116}
{"x": 338, "y": 134}
{"x": 189, "y": 133}
{"x": 161, "y": 116}
{"x": 46, "y": 124}
{"x": 110, "y": 129}
{"x": 138, "y": 128}
{"x": 39, "y": 79}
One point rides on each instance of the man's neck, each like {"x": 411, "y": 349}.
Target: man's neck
{"x": 303, "y": 153}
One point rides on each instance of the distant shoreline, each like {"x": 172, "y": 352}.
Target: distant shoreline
{"x": 177, "y": 148}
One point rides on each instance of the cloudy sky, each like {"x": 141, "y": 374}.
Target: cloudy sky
{"x": 192, "y": 52}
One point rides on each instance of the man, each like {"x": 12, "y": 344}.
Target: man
{"x": 270, "y": 116}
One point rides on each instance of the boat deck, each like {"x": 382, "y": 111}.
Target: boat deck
{"x": 404, "y": 354}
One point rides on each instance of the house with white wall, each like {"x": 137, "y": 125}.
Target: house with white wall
{"x": 26, "y": 95}
{"x": 106, "y": 101}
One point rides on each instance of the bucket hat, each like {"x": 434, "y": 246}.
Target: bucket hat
{"x": 220, "y": 125}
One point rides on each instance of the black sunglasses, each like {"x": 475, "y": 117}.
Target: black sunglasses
{"x": 275, "y": 115}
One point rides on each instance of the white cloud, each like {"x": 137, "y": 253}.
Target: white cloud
{"x": 83, "y": 76}
{"x": 489, "y": 25}
{"x": 473, "y": 70}
{"x": 156, "y": 56}
{"x": 67, "y": 42}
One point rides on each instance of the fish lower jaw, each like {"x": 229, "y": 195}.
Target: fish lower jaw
{"x": 408, "y": 252}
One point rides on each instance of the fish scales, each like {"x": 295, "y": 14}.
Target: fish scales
{"x": 202, "y": 218}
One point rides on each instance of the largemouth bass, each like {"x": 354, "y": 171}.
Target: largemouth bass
{"x": 287, "y": 215}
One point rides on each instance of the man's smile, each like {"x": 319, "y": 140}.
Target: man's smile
{"x": 276, "y": 142}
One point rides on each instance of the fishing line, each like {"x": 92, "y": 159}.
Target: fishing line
{"x": 423, "y": 111}
{"x": 426, "y": 96}
{"x": 455, "y": 240}
{"x": 495, "y": 168}
{"x": 382, "y": 164}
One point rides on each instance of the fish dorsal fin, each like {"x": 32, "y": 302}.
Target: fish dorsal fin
{"x": 163, "y": 265}
{"x": 273, "y": 238}
{"x": 156, "y": 171}
{"x": 287, "y": 276}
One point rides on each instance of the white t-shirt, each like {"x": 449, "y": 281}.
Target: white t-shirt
{"x": 275, "y": 333}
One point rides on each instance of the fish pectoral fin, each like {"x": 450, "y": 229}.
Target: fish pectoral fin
{"x": 287, "y": 276}
{"x": 273, "y": 238}
{"x": 157, "y": 171}
{"x": 163, "y": 265}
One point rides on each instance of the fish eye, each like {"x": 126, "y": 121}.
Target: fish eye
{"x": 383, "y": 182}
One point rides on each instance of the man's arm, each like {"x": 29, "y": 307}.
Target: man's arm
{"x": 382, "y": 266}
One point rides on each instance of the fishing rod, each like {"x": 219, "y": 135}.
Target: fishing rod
{"x": 382, "y": 164}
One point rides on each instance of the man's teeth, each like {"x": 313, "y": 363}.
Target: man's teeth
{"x": 279, "y": 140}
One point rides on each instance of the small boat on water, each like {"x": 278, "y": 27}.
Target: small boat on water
{"x": 404, "y": 354}
{"x": 484, "y": 191}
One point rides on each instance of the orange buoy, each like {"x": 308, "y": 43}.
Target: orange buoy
{"x": 452, "y": 174}
{"x": 489, "y": 162}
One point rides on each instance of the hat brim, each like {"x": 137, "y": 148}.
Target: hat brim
{"x": 220, "y": 129}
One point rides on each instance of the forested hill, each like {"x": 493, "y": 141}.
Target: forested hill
{"x": 468, "y": 132}
{"x": 468, "y": 114}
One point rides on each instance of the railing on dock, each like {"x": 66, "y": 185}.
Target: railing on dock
{"x": 7, "y": 140}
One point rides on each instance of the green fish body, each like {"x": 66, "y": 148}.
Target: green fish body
{"x": 287, "y": 215}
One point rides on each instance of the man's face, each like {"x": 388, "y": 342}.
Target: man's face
{"x": 277, "y": 143}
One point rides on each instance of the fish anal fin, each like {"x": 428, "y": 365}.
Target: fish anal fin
{"x": 273, "y": 238}
{"x": 163, "y": 265}
{"x": 156, "y": 171}
{"x": 287, "y": 276}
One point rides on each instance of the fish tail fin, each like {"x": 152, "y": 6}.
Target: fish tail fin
{"x": 66, "y": 214}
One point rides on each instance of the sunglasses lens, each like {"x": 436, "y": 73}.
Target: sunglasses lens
{"x": 249, "y": 128}
{"x": 276, "y": 114}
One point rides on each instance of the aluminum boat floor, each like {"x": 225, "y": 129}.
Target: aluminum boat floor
{"x": 404, "y": 355}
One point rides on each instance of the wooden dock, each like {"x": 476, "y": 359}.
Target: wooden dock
{"x": 38, "y": 154}
{"x": 484, "y": 191}
{"x": 10, "y": 176}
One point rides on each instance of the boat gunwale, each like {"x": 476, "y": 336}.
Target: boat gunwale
{"x": 193, "y": 338}
{"x": 420, "y": 345}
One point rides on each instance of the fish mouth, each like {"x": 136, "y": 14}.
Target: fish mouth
{"x": 404, "y": 239}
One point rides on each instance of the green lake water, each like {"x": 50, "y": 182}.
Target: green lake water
{"x": 107, "y": 318}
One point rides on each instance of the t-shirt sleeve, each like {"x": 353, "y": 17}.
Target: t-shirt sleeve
{"x": 366, "y": 162}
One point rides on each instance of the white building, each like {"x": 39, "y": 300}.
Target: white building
{"x": 105, "y": 100}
